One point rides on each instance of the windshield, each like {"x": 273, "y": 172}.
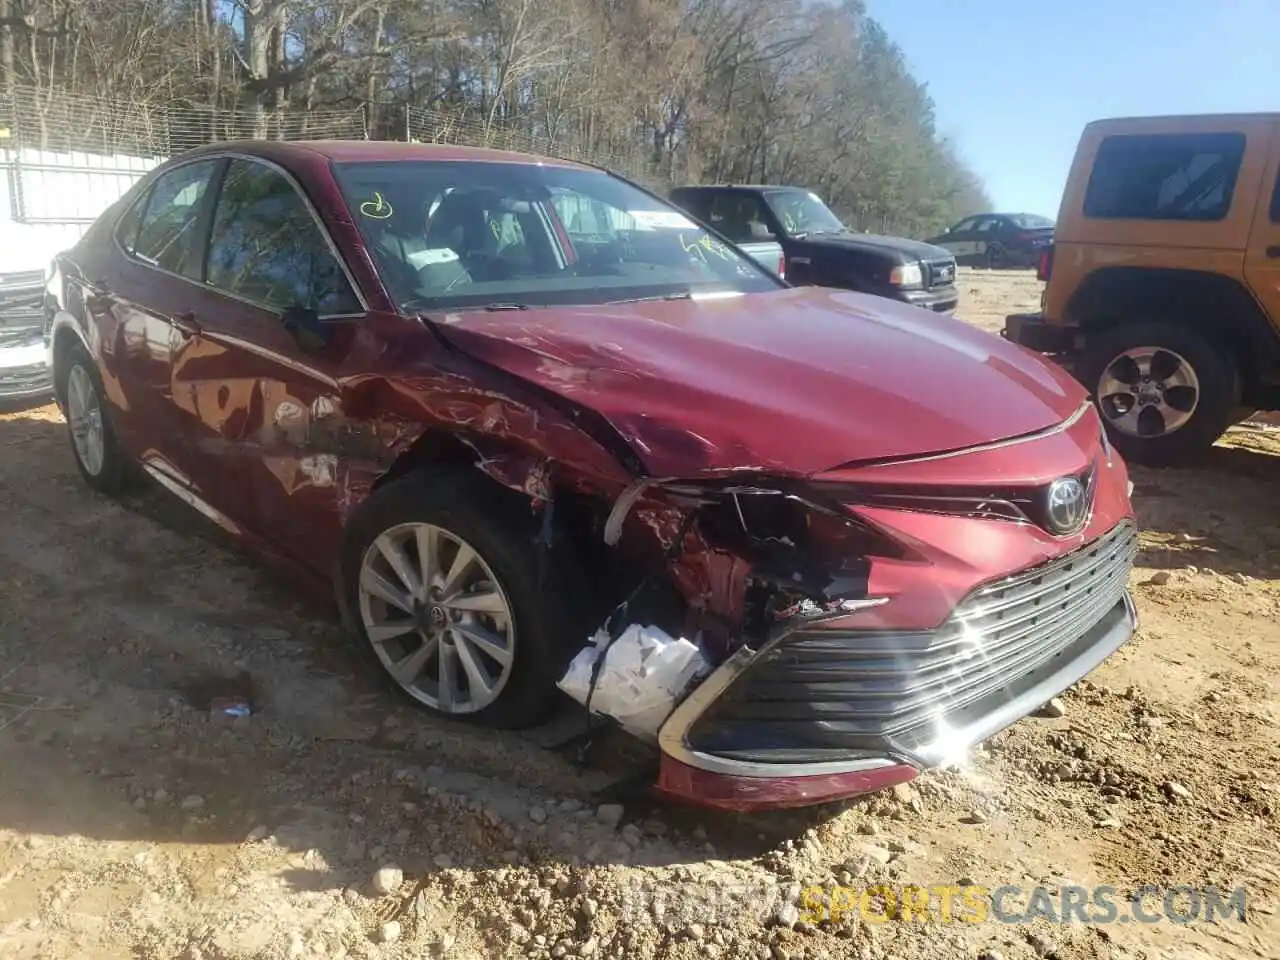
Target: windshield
{"x": 1029, "y": 221}
{"x": 802, "y": 212}
{"x": 465, "y": 234}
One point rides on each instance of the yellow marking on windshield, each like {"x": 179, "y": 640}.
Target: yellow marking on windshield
{"x": 377, "y": 208}
{"x": 705, "y": 244}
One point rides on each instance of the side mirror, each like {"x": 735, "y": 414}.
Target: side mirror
{"x": 303, "y": 324}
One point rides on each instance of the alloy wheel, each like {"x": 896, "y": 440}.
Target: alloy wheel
{"x": 1148, "y": 392}
{"x": 84, "y": 417}
{"x": 437, "y": 617}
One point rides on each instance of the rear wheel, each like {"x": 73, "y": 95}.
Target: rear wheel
{"x": 1165, "y": 392}
{"x": 98, "y": 456}
{"x": 440, "y": 589}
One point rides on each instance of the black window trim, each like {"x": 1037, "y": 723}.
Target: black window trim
{"x": 1233, "y": 182}
{"x": 208, "y": 202}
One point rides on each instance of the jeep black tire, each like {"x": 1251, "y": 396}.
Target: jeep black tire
{"x": 1186, "y": 390}
{"x": 500, "y": 637}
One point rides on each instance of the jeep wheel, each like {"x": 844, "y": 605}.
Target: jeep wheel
{"x": 1165, "y": 393}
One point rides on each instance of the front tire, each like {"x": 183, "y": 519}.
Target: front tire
{"x": 439, "y": 588}
{"x": 1165, "y": 393}
{"x": 97, "y": 453}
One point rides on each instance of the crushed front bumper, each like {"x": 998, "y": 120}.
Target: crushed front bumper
{"x": 816, "y": 715}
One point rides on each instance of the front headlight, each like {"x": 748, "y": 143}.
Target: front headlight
{"x": 907, "y": 275}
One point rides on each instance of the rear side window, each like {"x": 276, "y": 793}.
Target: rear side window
{"x": 168, "y": 235}
{"x": 1164, "y": 177}
{"x": 127, "y": 225}
{"x": 266, "y": 247}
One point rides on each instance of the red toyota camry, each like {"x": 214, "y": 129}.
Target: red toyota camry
{"x": 503, "y": 403}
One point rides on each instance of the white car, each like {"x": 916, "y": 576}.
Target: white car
{"x": 24, "y": 274}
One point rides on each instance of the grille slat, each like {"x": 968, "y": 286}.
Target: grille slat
{"x": 863, "y": 684}
{"x": 942, "y": 272}
{"x": 15, "y": 381}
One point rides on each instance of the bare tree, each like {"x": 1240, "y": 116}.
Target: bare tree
{"x": 811, "y": 92}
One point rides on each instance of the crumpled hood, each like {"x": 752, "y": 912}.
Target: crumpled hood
{"x": 795, "y": 381}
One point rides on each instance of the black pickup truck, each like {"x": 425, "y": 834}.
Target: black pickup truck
{"x": 819, "y": 250}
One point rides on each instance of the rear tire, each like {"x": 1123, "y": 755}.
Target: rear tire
{"x": 518, "y": 632}
{"x": 1165, "y": 393}
{"x": 97, "y": 453}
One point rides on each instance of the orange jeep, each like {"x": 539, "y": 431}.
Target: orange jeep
{"x": 1163, "y": 280}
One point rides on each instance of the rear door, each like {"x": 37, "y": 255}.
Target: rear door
{"x": 957, "y": 239}
{"x": 1262, "y": 257}
{"x": 263, "y": 414}
{"x": 138, "y": 293}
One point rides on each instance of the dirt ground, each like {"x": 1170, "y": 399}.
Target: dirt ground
{"x": 137, "y": 824}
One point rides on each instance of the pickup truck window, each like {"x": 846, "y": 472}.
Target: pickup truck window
{"x": 801, "y": 212}
{"x": 741, "y": 217}
{"x": 457, "y": 235}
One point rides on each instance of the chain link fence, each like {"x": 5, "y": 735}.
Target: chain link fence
{"x": 53, "y": 121}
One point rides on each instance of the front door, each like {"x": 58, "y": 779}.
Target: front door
{"x": 1262, "y": 259}
{"x": 262, "y": 408}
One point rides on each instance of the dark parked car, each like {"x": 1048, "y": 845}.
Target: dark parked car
{"x": 819, "y": 250}
{"x": 998, "y": 240}
{"x": 391, "y": 365}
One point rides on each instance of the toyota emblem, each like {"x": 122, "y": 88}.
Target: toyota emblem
{"x": 1066, "y": 506}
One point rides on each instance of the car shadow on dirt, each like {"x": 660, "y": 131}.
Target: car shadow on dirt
{"x": 130, "y": 637}
{"x": 1223, "y": 515}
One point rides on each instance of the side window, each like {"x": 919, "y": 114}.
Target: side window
{"x": 986, "y": 224}
{"x": 740, "y": 217}
{"x": 168, "y": 235}
{"x": 1164, "y": 177}
{"x": 696, "y": 202}
{"x": 964, "y": 226}
{"x": 266, "y": 247}
{"x": 127, "y": 225}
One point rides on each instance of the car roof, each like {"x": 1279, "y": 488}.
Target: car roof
{"x": 1171, "y": 121}
{"x": 739, "y": 186}
{"x": 368, "y": 151}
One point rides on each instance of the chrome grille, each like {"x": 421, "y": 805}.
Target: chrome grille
{"x": 21, "y": 298}
{"x": 18, "y": 279}
{"x": 942, "y": 272}
{"x": 854, "y": 687}
{"x": 19, "y": 381}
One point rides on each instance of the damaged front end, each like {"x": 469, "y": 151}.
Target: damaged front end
{"x": 754, "y": 560}
{"x": 823, "y": 654}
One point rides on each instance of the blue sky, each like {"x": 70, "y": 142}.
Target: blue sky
{"x": 1014, "y": 81}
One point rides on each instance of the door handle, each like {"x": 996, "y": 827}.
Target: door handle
{"x": 187, "y": 324}
{"x": 1273, "y": 253}
{"x": 98, "y": 293}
